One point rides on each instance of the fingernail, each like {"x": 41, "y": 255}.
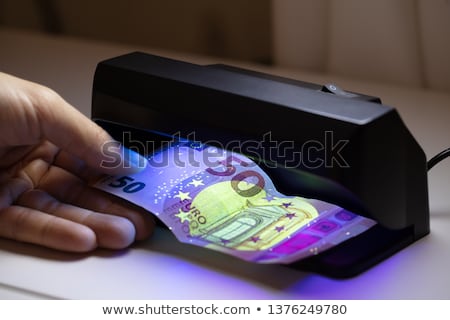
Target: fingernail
{"x": 133, "y": 160}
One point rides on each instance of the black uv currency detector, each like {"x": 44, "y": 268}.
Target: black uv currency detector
{"x": 314, "y": 141}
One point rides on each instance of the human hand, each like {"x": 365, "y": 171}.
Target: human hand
{"x": 49, "y": 155}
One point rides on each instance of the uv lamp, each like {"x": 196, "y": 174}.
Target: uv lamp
{"x": 342, "y": 147}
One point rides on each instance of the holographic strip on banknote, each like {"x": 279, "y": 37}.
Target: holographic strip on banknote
{"x": 224, "y": 201}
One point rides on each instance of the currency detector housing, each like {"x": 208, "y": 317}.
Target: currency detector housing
{"x": 383, "y": 176}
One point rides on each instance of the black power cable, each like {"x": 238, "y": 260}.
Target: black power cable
{"x": 438, "y": 158}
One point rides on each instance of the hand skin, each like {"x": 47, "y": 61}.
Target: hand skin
{"x": 49, "y": 155}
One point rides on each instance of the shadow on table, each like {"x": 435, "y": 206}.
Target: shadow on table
{"x": 163, "y": 242}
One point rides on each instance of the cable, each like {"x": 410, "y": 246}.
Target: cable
{"x": 438, "y": 158}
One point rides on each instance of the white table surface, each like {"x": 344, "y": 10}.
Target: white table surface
{"x": 162, "y": 268}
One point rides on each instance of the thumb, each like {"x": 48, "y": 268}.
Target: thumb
{"x": 73, "y": 132}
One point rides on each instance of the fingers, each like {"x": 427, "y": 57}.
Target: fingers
{"x": 62, "y": 226}
{"x": 12, "y": 190}
{"x": 47, "y": 154}
{"x": 72, "y": 190}
{"x": 30, "y": 225}
{"x": 93, "y": 219}
{"x": 110, "y": 231}
{"x": 73, "y": 132}
{"x": 34, "y": 113}
{"x": 77, "y": 167}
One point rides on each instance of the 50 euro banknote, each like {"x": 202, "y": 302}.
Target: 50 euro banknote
{"x": 224, "y": 201}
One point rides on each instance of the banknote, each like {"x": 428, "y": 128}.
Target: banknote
{"x": 222, "y": 200}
